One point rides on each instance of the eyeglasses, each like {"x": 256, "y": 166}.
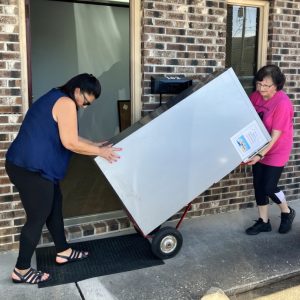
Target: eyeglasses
{"x": 86, "y": 102}
{"x": 260, "y": 85}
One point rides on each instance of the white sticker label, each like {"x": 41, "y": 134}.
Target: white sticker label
{"x": 248, "y": 140}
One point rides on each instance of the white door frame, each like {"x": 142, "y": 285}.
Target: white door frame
{"x": 135, "y": 60}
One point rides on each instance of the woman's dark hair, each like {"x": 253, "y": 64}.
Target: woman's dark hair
{"x": 86, "y": 82}
{"x": 271, "y": 71}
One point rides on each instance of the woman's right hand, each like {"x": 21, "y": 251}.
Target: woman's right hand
{"x": 253, "y": 160}
{"x": 108, "y": 152}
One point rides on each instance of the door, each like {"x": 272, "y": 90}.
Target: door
{"x": 246, "y": 38}
{"x": 68, "y": 38}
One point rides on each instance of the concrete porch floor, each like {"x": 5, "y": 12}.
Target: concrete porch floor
{"x": 215, "y": 253}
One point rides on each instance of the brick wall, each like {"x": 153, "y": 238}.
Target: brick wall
{"x": 181, "y": 37}
{"x": 11, "y": 212}
{"x": 284, "y": 51}
{"x": 178, "y": 37}
{"x": 188, "y": 37}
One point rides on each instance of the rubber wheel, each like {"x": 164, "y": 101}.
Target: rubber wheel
{"x": 166, "y": 243}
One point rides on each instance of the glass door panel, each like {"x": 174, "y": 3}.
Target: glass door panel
{"x": 85, "y": 37}
{"x": 242, "y": 43}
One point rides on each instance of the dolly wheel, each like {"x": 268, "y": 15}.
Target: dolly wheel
{"x": 166, "y": 243}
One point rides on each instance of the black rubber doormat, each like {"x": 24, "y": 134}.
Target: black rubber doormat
{"x": 107, "y": 256}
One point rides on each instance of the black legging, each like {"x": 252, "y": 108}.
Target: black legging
{"x": 42, "y": 201}
{"x": 265, "y": 181}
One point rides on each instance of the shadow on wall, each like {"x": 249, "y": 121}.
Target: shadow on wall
{"x": 100, "y": 121}
{"x": 86, "y": 190}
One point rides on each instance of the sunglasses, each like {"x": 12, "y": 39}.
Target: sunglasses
{"x": 86, "y": 102}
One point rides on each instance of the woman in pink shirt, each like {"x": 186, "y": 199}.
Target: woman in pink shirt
{"x": 276, "y": 111}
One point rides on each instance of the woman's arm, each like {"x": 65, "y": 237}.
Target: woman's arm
{"x": 98, "y": 144}
{"x": 85, "y": 140}
{"x": 65, "y": 114}
{"x": 275, "y": 134}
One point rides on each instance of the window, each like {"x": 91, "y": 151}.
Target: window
{"x": 246, "y": 39}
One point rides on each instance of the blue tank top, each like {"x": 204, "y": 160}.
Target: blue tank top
{"x": 37, "y": 146}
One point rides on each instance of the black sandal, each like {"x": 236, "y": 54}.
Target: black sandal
{"x": 75, "y": 255}
{"x": 32, "y": 277}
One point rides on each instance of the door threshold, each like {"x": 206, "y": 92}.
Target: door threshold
{"x": 94, "y": 218}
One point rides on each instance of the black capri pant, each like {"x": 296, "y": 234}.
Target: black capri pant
{"x": 42, "y": 201}
{"x": 265, "y": 181}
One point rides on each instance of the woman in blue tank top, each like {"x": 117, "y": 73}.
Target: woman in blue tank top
{"x": 38, "y": 158}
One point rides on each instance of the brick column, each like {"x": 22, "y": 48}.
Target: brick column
{"x": 284, "y": 51}
{"x": 11, "y": 212}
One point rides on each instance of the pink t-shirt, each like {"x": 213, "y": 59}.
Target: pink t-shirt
{"x": 277, "y": 114}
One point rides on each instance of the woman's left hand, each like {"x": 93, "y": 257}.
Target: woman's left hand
{"x": 109, "y": 153}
